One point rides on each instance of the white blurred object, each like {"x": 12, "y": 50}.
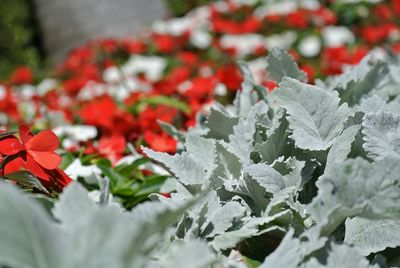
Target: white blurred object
{"x": 151, "y": 66}
{"x": 335, "y": 36}
{"x": 310, "y": 46}
{"x": 88, "y": 173}
{"x": 46, "y": 85}
{"x": 3, "y": 92}
{"x": 76, "y": 132}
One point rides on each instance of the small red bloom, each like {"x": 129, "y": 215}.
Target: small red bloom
{"x": 22, "y": 75}
{"x": 160, "y": 142}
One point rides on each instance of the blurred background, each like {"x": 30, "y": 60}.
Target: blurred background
{"x": 40, "y": 32}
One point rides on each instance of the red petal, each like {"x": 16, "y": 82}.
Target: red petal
{"x": 14, "y": 165}
{"x": 25, "y": 133}
{"x": 62, "y": 179}
{"x": 10, "y": 145}
{"x": 45, "y": 141}
{"x": 48, "y": 160}
{"x": 35, "y": 169}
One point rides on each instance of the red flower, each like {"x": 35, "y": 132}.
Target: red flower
{"x": 230, "y": 76}
{"x": 164, "y": 43}
{"x": 34, "y": 154}
{"x": 112, "y": 147}
{"x": 297, "y": 19}
{"x": 22, "y": 75}
{"x": 160, "y": 142}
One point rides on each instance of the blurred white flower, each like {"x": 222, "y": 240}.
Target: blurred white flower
{"x": 46, "y": 85}
{"x": 220, "y": 90}
{"x": 310, "y": 46}
{"x": 258, "y": 69}
{"x": 3, "y": 92}
{"x": 335, "y": 36}
{"x": 26, "y": 92}
{"x": 88, "y": 173}
{"x": 243, "y": 44}
{"x": 76, "y": 132}
{"x": 175, "y": 26}
{"x": 284, "y": 40}
{"x": 284, "y": 7}
{"x": 151, "y": 66}
{"x": 200, "y": 39}
{"x": 112, "y": 75}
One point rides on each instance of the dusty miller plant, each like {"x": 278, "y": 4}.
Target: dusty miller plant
{"x": 305, "y": 176}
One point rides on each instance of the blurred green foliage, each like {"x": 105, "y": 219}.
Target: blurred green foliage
{"x": 18, "y": 45}
{"x": 178, "y": 8}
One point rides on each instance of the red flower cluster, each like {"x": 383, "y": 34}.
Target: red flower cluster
{"x": 34, "y": 154}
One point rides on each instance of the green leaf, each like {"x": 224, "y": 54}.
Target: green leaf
{"x": 251, "y": 263}
{"x": 381, "y": 135}
{"x": 25, "y": 178}
{"x": 314, "y": 114}
{"x": 372, "y": 235}
{"x": 167, "y": 101}
{"x": 171, "y": 130}
{"x": 281, "y": 64}
{"x": 7, "y": 133}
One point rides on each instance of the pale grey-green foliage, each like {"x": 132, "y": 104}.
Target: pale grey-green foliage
{"x": 372, "y": 235}
{"x": 297, "y": 167}
{"x": 357, "y": 188}
{"x": 92, "y": 236}
{"x": 381, "y": 135}
{"x": 280, "y": 64}
{"x": 342, "y": 256}
{"x": 267, "y": 155}
{"x": 314, "y": 114}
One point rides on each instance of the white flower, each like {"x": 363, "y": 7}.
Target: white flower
{"x": 176, "y": 26}
{"x": 244, "y": 44}
{"x": 220, "y": 90}
{"x": 91, "y": 90}
{"x": 284, "y": 7}
{"x": 26, "y": 92}
{"x": 152, "y": 66}
{"x": 88, "y": 173}
{"x": 284, "y": 40}
{"x": 200, "y": 39}
{"x": 45, "y": 86}
{"x": 3, "y": 92}
{"x": 310, "y": 46}
{"x": 358, "y": 1}
{"x": 76, "y": 132}
{"x": 337, "y": 36}
{"x": 112, "y": 75}
{"x": 258, "y": 69}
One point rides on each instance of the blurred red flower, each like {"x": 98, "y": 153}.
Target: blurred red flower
{"x": 22, "y": 75}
